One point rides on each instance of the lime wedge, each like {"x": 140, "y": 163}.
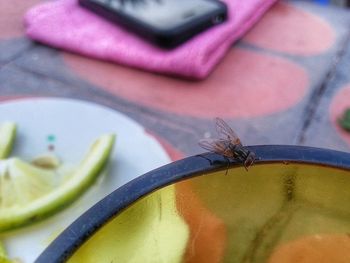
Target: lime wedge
{"x": 29, "y": 193}
{"x": 3, "y": 255}
{"x": 4, "y": 259}
{"x": 7, "y": 137}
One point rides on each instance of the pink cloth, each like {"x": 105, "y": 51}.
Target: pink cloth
{"x": 64, "y": 24}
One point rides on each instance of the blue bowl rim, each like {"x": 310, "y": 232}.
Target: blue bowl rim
{"x": 103, "y": 211}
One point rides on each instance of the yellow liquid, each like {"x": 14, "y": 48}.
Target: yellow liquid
{"x": 150, "y": 231}
{"x": 241, "y": 217}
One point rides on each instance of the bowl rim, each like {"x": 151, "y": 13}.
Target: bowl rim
{"x": 114, "y": 203}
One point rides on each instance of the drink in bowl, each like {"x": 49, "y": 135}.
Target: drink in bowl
{"x": 292, "y": 205}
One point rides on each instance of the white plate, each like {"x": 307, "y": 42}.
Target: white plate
{"x": 71, "y": 126}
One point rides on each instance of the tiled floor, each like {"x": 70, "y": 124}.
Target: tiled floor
{"x": 285, "y": 82}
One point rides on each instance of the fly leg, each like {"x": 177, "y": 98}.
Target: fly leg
{"x": 227, "y": 164}
{"x": 212, "y": 163}
{"x": 202, "y": 156}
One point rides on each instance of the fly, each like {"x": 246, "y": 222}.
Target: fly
{"x": 228, "y": 145}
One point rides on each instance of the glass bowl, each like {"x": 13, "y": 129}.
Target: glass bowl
{"x": 292, "y": 205}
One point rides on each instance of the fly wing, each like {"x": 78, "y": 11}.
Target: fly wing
{"x": 216, "y": 146}
{"x": 225, "y": 132}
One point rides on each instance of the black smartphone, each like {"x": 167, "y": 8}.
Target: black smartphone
{"x": 167, "y": 23}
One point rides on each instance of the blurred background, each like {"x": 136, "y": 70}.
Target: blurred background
{"x": 277, "y": 72}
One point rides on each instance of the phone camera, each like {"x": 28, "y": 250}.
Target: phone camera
{"x": 217, "y": 19}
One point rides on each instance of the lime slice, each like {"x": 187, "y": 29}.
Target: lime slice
{"x": 3, "y": 255}
{"x": 7, "y": 137}
{"x": 29, "y": 193}
{"x": 2, "y": 252}
{"x": 4, "y": 259}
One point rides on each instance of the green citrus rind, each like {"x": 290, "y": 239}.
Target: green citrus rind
{"x": 7, "y": 138}
{"x": 84, "y": 176}
{"x": 3, "y": 255}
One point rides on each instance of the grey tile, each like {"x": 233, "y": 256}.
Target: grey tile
{"x": 11, "y": 49}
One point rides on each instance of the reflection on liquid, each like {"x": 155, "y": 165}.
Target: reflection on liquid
{"x": 149, "y": 231}
{"x": 268, "y": 214}
{"x": 315, "y": 248}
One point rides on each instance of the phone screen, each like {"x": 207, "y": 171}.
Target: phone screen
{"x": 162, "y": 14}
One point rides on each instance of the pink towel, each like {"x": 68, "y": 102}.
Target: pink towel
{"x": 64, "y": 24}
